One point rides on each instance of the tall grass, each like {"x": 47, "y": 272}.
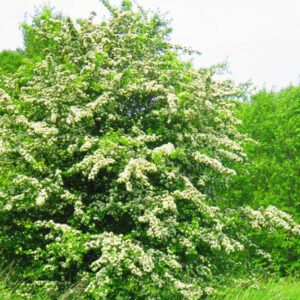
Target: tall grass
{"x": 11, "y": 289}
{"x": 283, "y": 289}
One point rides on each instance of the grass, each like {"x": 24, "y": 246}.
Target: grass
{"x": 283, "y": 289}
{"x": 7, "y": 293}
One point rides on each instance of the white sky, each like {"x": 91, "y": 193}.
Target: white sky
{"x": 260, "y": 39}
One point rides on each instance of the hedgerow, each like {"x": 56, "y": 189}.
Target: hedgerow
{"x": 114, "y": 156}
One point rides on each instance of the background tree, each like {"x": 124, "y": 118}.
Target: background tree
{"x": 272, "y": 174}
{"x": 10, "y": 61}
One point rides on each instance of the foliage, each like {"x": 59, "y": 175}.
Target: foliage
{"x": 272, "y": 119}
{"x": 114, "y": 157}
{"x": 36, "y": 44}
{"x": 10, "y": 61}
{"x": 272, "y": 173}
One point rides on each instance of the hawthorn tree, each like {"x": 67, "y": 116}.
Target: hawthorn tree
{"x": 34, "y": 44}
{"x": 114, "y": 155}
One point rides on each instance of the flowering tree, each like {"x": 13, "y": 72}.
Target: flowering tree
{"x": 114, "y": 154}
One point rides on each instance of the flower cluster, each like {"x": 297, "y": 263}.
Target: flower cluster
{"x": 113, "y": 153}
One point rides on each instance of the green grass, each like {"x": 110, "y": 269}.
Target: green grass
{"x": 7, "y": 293}
{"x": 283, "y": 289}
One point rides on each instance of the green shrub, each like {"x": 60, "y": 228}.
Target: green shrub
{"x": 114, "y": 156}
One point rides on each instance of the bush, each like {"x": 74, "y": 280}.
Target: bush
{"x": 114, "y": 155}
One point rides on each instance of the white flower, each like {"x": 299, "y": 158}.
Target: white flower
{"x": 8, "y": 207}
{"x": 167, "y": 149}
{"x": 42, "y": 197}
{"x": 172, "y": 102}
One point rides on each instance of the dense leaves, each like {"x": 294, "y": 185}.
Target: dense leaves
{"x": 115, "y": 156}
{"x": 36, "y": 44}
{"x": 272, "y": 174}
{"x": 10, "y": 61}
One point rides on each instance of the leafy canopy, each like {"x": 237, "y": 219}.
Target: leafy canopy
{"x": 114, "y": 155}
{"x": 271, "y": 176}
{"x": 10, "y": 61}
